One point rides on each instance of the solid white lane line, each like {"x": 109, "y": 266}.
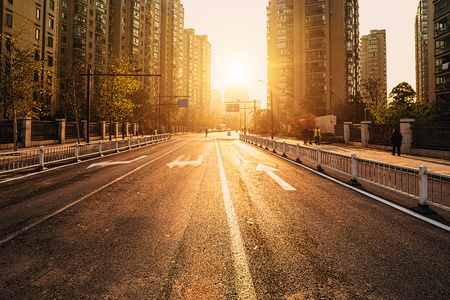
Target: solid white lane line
{"x": 244, "y": 283}
{"x": 39, "y": 221}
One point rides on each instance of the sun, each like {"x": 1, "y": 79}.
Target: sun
{"x": 237, "y": 70}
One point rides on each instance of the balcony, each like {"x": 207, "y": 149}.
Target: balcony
{"x": 442, "y": 12}
{"x": 442, "y": 49}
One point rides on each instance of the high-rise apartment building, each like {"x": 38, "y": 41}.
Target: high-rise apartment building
{"x": 372, "y": 57}
{"x": 134, "y": 30}
{"x": 171, "y": 55}
{"x": 34, "y": 22}
{"x": 197, "y": 72}
{"x": 442, "y": 53}
{"x": 312, "y": 55}
{"x": 83, "y": 38}
{"x": 425, "y": 85}
{"x": 89, "y": 33}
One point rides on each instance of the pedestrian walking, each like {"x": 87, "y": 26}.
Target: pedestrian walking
{"x": 310, "y": 136}
{"x": 305, "y": 133}
{"x": 206, "y": 132}
{"x": 317, "y": 136}
{"x": 396, "y": 139}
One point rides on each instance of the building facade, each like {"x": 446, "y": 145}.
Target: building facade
{"x": 372, "y": 57}
{"x": 34, "y": 22}
{"x": 424, "y": 52}
{"x": 312, "y": 55}
{"x": 197, "y": 73}
{"x": 442, "y": 54}
{"x": 88, "y": 33}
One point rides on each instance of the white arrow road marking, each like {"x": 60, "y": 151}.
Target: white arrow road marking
{"x": 270, "y": 171}
{"x": 108, "y": 163}
{"x": 181, "y": 164}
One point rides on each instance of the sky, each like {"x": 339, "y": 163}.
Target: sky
{"x": 236, "y": 30}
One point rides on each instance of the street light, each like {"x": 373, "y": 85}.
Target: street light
{"x": 271, "y": 104}
{"x": 88, "y": 92}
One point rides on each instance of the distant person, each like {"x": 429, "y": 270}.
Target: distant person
{"x": 206, "y": 132}
{"x": 310, "y": 136}
{"x": 317, "y": 136}
{"x": 305, "y": 133}
{"x": 396, "y": 139}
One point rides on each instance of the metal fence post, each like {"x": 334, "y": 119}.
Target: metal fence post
{"x": 284, "y": 149}
{"x": 423, "y": 185}
{"x": 100, "y": 148}
{"x": 423, "y": 207}
{"x": 117, "y": 145}
{"x": 298, "y": 154}
{"x": 354, "y": 171}
{"x": 274, "y": 145}
{"x": 76, "y": 152}
{"x": 319, "y": 159}
{"x": 41, "y": 158}
{"x": 129, "y": 143}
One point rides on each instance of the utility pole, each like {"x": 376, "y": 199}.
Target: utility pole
{"x": 88, "y": 91}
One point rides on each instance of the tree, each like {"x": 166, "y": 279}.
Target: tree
{"x": 144, "y": 112}
{"x": 116, "y": 91}
{"x": 403, "y": 105}
{"x": 372, "y": 92}
{"x": 352, "y": 110}
{"x": 73, "y": 96}
{"x": 263, "y": 120}
{"x": 403, "y": 93}
{"x": 314, "y": 101}
{"x": 300, "y": 122}
{"x": 25, "y": 85}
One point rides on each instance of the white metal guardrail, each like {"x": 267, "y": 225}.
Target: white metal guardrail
{"x": 13, "y": 161}
{"x": 420, "y": 184}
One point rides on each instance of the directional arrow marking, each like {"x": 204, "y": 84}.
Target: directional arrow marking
{"x": 181, "y": 164}
{"x": 108, "y": 163}
{"x": 270, "y": 171}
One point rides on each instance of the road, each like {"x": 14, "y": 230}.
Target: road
{"x": 209, "y": 218}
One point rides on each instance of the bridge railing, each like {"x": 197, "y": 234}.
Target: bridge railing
{"x": 13, "y": 161}
{"x": 420, "y": 184}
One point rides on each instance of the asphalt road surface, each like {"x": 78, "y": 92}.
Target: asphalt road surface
{"x": 209, "y": 218}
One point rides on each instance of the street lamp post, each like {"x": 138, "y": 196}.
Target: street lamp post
{"x": 88, "y": 92}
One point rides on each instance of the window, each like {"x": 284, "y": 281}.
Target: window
{"x": 51, "y": 23}
{"x": 50, "y": 61}
{"x": 9, "y": 20}
{"x": 64, "y": 4}
{"x": 52, "y": 4}
{"x": 37, "y": 34}
{"x": 38, "y": 13}
{"x": 10, "y": 1}
{"x": 50, "y": 42}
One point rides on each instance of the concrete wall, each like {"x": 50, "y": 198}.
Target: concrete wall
{"x": 326, "y": 123}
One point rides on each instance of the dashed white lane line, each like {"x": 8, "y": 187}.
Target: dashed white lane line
{"x": 244, "y": 283}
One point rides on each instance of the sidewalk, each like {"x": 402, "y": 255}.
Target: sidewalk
{"x": 440, "y": 166}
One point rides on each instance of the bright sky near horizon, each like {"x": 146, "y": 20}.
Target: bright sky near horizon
{"x": 236, "y": 30}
